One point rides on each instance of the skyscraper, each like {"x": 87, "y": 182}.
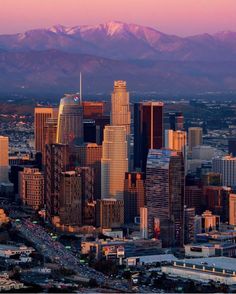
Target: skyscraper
{"x": 148, "y": 130}
{"x": 50, "y": 135}
{"x": 31, "y": 187}
{"x": 120, "y": 110}
{"x": 70, "y": 199}
{"x": 165, "y": 194}
{"x": 134, "y": 195}
{"x": 175, "y": 140}
{"x": 226, "y": 166}
{"x": 114, "y": 163}
{"x": 92, "y": 109}
{"x": 232, "y": 209}
{"x": 90, "y": 155}
{"x": 41, "y": 115}
{"x": 194, "y": 137}
{"x": 70, "y": 120}
{"x": 4, "y": 159}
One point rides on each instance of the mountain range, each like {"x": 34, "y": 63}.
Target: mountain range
{"x": 47, "y": 60}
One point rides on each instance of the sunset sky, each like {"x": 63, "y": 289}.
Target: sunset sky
{"x": 181, "y": 17}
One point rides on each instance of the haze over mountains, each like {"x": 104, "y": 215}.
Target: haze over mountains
{"x": 48, "y": 60}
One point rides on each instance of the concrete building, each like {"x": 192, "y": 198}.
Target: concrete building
{"x": 189, "y": 215}
{"x": 70, "y": 120}
{"x": 90, "y": 155}
{"x": 194, "y": 137}
{"x": 232, "y": 209}
{"x": 31, "y": 187}
{"x": 50, "y": 135}
{"x": 120, "y": 110}
{"x": 144, "y": 222}
{"x": 194, "y": 198}
{"x": 41, "y": 115}
{"x": 175, "y": 140}
{"x": 4, "y": 159}
{"x": 93, "y": 109}
{"x": 70, "y": 199}
{"x": 134, "y": 195}
{"x": 203, "y": 152}
{"x": 110, "y": 213}
{"x": 148, "y": 131}
{"x": 165, "y": 195}
{"x": 217, "y": 269}
{"x": 114, "y": 162}
{"x": 226, "y": 166}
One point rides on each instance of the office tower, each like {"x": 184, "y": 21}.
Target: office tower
{"x": 226, "y": 166}
{"x": 189, "y": 215}
{"x": 87, "y": 184}
{"x": 120, "y": 110}
{"x": 203, "y": 152}
{"x": 57, "y": 161}
{"x": 212, "y": 179}
{"x": 70, "y": 199}
{"x": 194, "y": 198}
{"x": 144, "y": 222}
{"x": 93, "y": 129}
{"x": 194, "y": 137}
{"x": 216, "y": 199}
{"x": 110, "y": 213}
{"x": 165, "y": 194}
{"x": 114, "y": 162}
{"x": 148, "y": 131}
{"x": 176, "y": 120}
{"x": 90, "y": 155}
{"x": 92, "y": 109}
{"x": 31, "y": 187}
{"x": 41, "y": 115}
{"x": 4, "y": 159}
{"x": 50, "y": 135}
{"x": 175, "y": 140}
{"x": 134, "y": 195}
{"x": 232, "y": 209}
{"x": 70, "y": 120}
{"x": 232, "y": 146}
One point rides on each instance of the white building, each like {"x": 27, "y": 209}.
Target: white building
{"x": 203, "y": 152}
{"x": 114, "y": 162}
{"x": 227, "y": 167}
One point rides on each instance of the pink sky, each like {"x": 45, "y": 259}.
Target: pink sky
{"x": 181, "y": 17}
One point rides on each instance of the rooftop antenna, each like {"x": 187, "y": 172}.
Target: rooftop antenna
{"x": 80, "y": 92}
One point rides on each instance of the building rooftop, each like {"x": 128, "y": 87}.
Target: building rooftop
{"x": 221, "y": 262}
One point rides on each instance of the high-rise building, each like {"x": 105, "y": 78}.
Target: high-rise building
{"x": 93, "y": 129}
{"x": 109, "y": 213}
{"x": 120, "y": 110}
{"x": 226, "y": 166}
{"x": 165, "y": 194}
{"x": 4, "y": 159}
{"x": 41, "y": 115}
{"x": 114, "y": 163}
{"x": 216, "y": 199}
{"x": 134, "y": 195}
{"x": 70, "y": 120}
{"x": 175, "y": 140}
{"x": 87, "y": 183}
{"x": 194, "y": 137}
{"x": 232, "y": 209}
{"x": 232, "y": 146}
{"x": 148, "y": 131}
{"x": 31, "y": 187}
{"x": 210, "y": 221}
{"x": 70, "y": 199}
{"x": 144, "y": 222}
{"x": 194, "y": 198}
{"x": 93, "y": 109}
{"x": 176, "y": 121}
{"x": 189, "y": 215}
{"x": 57, "y": 161}
{"x": 90, "y": 155}
{"x": 50, "y": 135}
{"x": 212, "y": 179}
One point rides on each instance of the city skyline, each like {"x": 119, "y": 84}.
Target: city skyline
{"x": 182, "y": 17}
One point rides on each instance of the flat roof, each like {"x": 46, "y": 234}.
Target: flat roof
{"x": 221, "y": 262}
{"x": 155, "y": 258}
